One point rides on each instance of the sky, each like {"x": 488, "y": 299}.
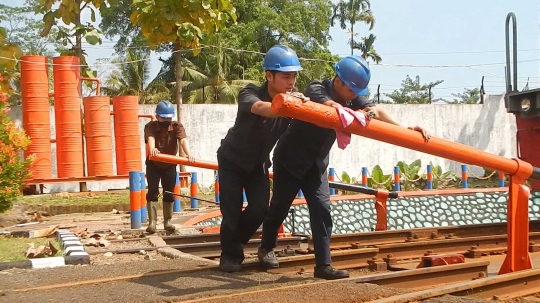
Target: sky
{"x": 457, "y": 41}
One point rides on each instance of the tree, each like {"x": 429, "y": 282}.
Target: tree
{"x": 469, "y": 96}
{"x": 9, "y": 54}
{"x": 181, "y": 23}
{"x": 367, "y": 49}
{"x": 69, "y": 12}
{"x": 412, "y": 92}
{"x": 352, "y": 12}
{"x": 132, "y": 77}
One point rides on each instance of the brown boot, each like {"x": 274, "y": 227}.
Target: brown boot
{"x": 152, "y": 217}
{"x": 167, "y": 216}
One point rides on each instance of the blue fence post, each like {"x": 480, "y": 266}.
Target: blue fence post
{"x": 300, "y": 194}
{"x": 135, "y": 199}
{"x": 244, "y": 197}
{"x": 331, "y": 176}
{"x": 464, "y": 178}
{"x": 501, "y": 179}
{"x": 429, "y": 176}
{"x": 364, "y": 176}
{"x": 194, "y": 190}
{"x": 177, "y": 206}
{"x": 144, "y": 215}
{"x": 216, "y": 188}
{"x": 397, "y": 182}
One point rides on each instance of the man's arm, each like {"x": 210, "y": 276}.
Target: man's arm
{"x": 248, "y": 101}
{"x": 317, "y": 92}
{"x": 149, "y": 137}
{"x": 183, "y": 141}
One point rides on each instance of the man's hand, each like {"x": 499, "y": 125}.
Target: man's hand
{"x": 424, "y": 132}
{"x": 154, "y": 152}
{"x": 332, "y": 103}
{"x": 191, "y": 159}
{"x": 370, "y": 113}
{"x": 298, "y": 95}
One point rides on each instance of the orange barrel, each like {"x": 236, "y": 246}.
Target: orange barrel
{"x": 97, "y": 130}
{"x": 126, "y": 134}
{"x": 35, "y": 113}
{"x": 67, "y": 111}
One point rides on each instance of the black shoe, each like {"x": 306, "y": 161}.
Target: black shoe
{"x": 268, "y": 258}
{"x": 327, "y": 272}
{"x": 228, "y": 265}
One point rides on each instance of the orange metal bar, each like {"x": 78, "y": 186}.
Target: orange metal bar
{"x": 380, "y": 209}
{"x": 184, "y": 161}
{"x": 152, "y": 118}
{"x": 518, "y": 221}
{"x": 98, "y": 83}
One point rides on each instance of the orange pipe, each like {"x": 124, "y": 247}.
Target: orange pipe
{"x": 327, "y": 117}
{"x": 152, "y": 118}
{"x": 184, "y": 161}
{"x": 98, "y": 83}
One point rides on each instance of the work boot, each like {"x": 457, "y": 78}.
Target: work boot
{"x": 327, "y": 272}
{"x": 268, "y": 258}
{"x": 228, "y": 265}
{"x": 167, "y": 216}
{"x": 152, "y": 217}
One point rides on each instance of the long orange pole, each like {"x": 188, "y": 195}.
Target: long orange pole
{"x": 184, "y": 161}
{"x": 327, "y": 117}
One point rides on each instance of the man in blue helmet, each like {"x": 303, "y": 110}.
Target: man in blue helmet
{"x": 163, "y": 136}
{"x": 243, "y": 156}
{"x": 301, "y": 158}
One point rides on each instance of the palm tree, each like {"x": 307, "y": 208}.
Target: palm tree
{"x": 367, "y": 49}
{"x": 132, "y": 78}
{"x": 353, "y": 11}
{"x": 209, "y": 79}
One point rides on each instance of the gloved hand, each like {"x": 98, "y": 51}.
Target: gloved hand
{"x": 298, "y": 95}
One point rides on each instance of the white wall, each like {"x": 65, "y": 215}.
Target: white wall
{"x": 487, "y": 127}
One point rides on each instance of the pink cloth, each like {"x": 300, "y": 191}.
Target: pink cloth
{"x": 347, "y": 116}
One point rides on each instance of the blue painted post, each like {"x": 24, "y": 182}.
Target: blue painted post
{"x": 300, "y": 194}
{"x": 144, "y": 215}
{"x": 177, "y": 206}
{"x": 464, "y": 178}
{"x": 397, "y": 182}
{"x": 244, "y": 198}
{"x": 429, "y": 177}
{"x": 135, "y": 199}
{"x": 501, "y": 179}
{"x": 331, "y": 176}
{"x": 194, "y": 190}
{"x": 216, "y": 188}
{"x": 364, "y": 176}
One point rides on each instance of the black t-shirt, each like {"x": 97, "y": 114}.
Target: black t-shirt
{"x": 249, "y": 142}
{"x": 304, "y": 144}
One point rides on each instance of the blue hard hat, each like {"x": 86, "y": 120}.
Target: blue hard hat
{"x": 354, "y": 72}
{"x": 165, "y": 109}
{"x": 281, "y": 58}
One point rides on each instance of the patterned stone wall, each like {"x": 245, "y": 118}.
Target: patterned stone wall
{"x": 351, "y": 216}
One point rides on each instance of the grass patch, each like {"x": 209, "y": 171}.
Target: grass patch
{"x": 13, "y": 249}
{"x": 93, "y": 199}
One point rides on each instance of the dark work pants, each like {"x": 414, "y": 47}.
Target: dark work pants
{"x": 238, "y": 226}
{"x": 167, "y": 176}
{"x": 315, "y": 187}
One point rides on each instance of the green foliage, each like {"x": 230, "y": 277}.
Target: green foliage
{"x": 441, "y": 178}
{"x": 379, "y": 180}
{"x": 409, "y": 174}
{"x": 367, "y": 49}
{"x": 9, "y": 54}
{"x": 13, "y": 170}
{"x": 413, "y": 92}
{"x": 468, "y": 96}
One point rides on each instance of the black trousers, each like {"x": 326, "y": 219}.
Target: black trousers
{"x": 238, "y": 226}
{"x": 315, "y": 187}
{"x": 166, "y": 175}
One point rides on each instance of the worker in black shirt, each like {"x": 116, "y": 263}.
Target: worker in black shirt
{"x": 301, "y": 158}
{"x": 243, "y": 157}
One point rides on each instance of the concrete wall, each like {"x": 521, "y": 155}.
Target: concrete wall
{"x": 350, "y": 216}
{"x": 487, "y": 127}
